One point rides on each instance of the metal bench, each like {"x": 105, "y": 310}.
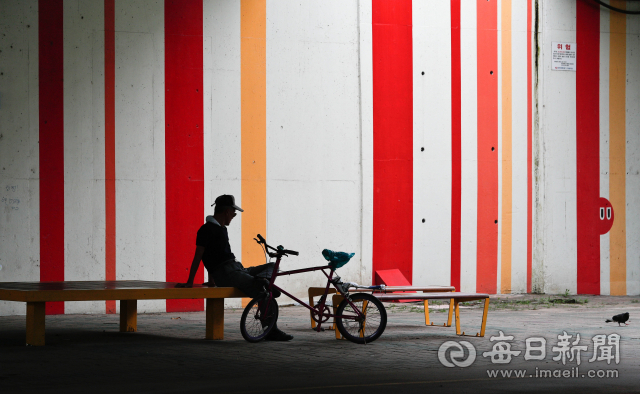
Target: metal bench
{"x": 427, "y": 293}
{"x": 318, "y": 291}
{"x": 37, "y": 294}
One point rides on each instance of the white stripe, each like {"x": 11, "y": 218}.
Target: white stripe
{"x": 519, "y": 146}
{"x": 431, "y": 132}
{"x": 558, "y": 157}
{"x": 313, "y": 113}
{"x": 222, "y": 135}
{"x": 84, "y": 199}
{"x": 140, "y": 158}
{"x": 605, "y": 282}
{"x": 469, "y": 223}
{"x": 366, "y": 137}
{"x": 19, "y": 183}
{"x": 633, "y": 157}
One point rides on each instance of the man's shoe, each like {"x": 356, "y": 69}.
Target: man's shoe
{"x": 277, "y": 335}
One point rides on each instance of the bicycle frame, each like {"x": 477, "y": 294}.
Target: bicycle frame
{"x": 321, "y": 305}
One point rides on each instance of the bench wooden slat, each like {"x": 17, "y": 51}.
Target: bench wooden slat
{"x": 37, "y": 294}
{"x": 432, "y": 296}
{"x": 106, "y": 290}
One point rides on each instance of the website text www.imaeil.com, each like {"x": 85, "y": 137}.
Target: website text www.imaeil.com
{"x": 604, "y": 348}
{"x": 573, "y": 372}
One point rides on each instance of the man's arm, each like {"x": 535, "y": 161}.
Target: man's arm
{"x": 194, "y": 267}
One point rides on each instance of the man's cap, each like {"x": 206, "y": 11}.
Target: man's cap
{"x": 227, "y": 200}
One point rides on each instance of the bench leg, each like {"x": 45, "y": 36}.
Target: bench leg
{"x": 337, "y": 299}
{"x": 215, "y": 318}
{"x": 457, "y": 312}
{"x": 426, "y": 313}
{"x": 35, "y": 323}
{"x": 484, "y": 317}
{"x": 311, "y": 304}
{"x": 451, "y": 307}
{"x": 128, "y": 315}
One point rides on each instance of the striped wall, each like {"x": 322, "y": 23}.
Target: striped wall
{"x": 428, "y": 136}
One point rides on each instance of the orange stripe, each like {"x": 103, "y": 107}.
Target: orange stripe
{"x": 505, "y": 270}
{"x": 617, "y": 144}
{"x": 110, "y": 168}
{"x": 109, "y": 146}
{"x": 253, "y": 53}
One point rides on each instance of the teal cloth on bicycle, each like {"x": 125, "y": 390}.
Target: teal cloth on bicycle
{"x": 337, "y": 259}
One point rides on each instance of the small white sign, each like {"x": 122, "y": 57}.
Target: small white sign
{"x": 563, "y": 56}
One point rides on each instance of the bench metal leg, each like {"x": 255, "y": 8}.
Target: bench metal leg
{"x": 484, "y": 317}
{"x": 312, "y": 304}
{"x": 128, "y": 315}
{"x": 35, "y": 323}
{"x": 426, "y": 313}
{"x": 337, "y": 299}
{"x": 215, "y": 318}
{"x": 457, "y": 312}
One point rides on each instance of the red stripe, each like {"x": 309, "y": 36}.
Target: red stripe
{"x": 529, "y": 152}
{"x": 456, "y": 144}
{"x": 487, "y": 267}
{"x": 110, "y": 148}
{"x": 392, "y": 136}
{"x": 51, "y": 148}
{"x": 588, "y": 145}
{"x": 184, "y": 148}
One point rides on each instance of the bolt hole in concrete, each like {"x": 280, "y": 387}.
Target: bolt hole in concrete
{"x": 421, "y": 149}
{"x": 422, "y": 222}
{"x": 491, "y": 72}
{"x": 496, "y": 222}
{"x": 492, "y": 149}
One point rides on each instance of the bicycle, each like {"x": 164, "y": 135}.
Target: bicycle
{"x": 361, "y": 318}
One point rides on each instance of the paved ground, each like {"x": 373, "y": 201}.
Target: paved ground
{"x": 86, "y": 353}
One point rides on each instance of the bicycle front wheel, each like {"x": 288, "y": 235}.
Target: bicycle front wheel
{"x": 253, "y": 327}
{"x": 366, "y": 328}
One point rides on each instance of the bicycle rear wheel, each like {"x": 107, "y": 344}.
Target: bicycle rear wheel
{"x": 252, "y": 326}
{"x": 366, "y": 329}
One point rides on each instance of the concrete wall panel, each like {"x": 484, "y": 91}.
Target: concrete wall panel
{"x": 469, "y": 107}
{"x": 139, "y": 94}
{"x": 222, "y": 142}
{"x": 19, "y": 191}
{"x": 432, "y": 143}
{"x": 605, "y": 37}
{"x": 366, "y": 136}
{"x": 313, "y": 135}
{"x": 558, "y": 130}
{"x": 84, "y": 146}
{"x": 519, "y": 147}
{"x": 633, "y": 157}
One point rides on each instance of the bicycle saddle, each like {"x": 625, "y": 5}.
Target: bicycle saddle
{"x": 336, "y": 259}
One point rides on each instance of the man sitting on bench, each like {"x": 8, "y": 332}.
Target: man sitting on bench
{"x": 213, "y": 249}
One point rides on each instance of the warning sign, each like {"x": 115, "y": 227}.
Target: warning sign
{"x": 563, "y": 56}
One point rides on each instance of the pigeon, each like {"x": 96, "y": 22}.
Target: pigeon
{"x": 621, "y": 318}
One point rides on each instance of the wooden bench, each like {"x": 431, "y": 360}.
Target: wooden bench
{"x": 37, "y": 294}
{"x": 427, "y": 293}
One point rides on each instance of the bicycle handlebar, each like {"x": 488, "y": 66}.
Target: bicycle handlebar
{"x": 279, "y": 251}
